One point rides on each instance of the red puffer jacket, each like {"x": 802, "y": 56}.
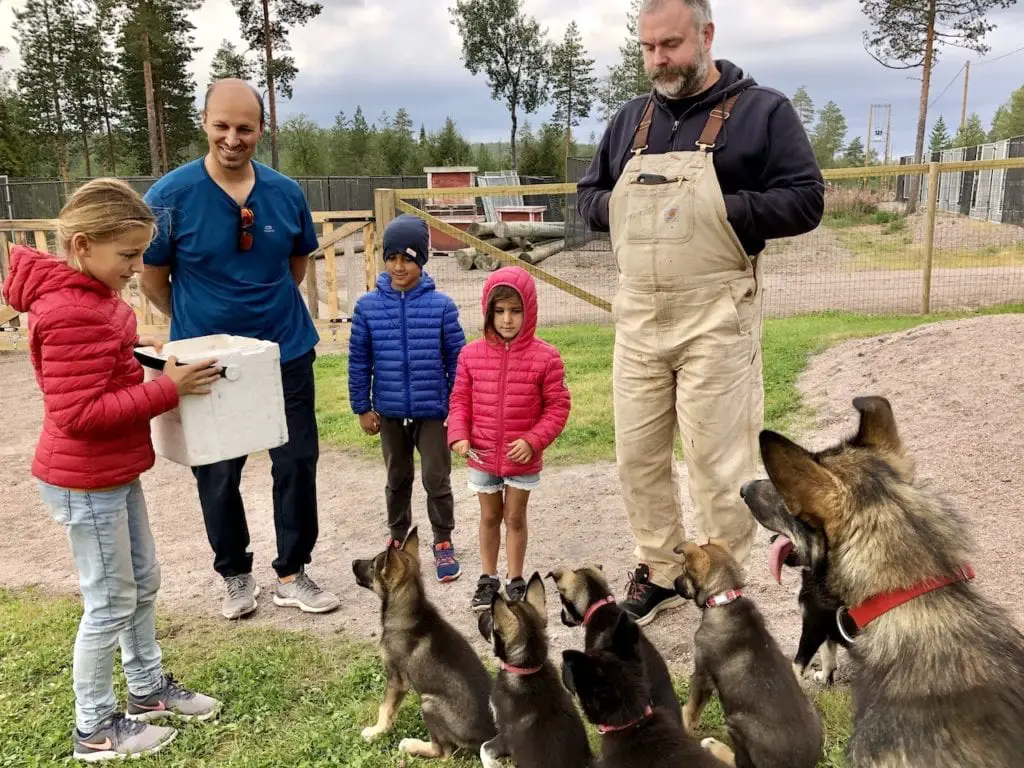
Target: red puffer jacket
{"x": 506, "y": 391}
{"x": 97, "y": 408}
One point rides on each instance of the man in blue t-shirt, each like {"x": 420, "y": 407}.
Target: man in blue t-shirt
{"x": 232, "y": 248}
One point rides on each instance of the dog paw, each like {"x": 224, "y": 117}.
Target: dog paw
{"x": 824, "y": 678}
{"x": 371, "y": 732}
{"x": 719, "y": 750}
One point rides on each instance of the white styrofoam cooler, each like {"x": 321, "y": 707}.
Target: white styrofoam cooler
{"x": 244, "y": 412}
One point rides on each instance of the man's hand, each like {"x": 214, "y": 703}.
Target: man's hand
{"x": 370, "y": 422}
{"x": 151, "y": 341}
{"x": 461, "y": 447}
{"x": 520, "y": 451}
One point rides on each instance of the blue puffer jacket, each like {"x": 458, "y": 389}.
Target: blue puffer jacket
{"x": 405, "y": 348}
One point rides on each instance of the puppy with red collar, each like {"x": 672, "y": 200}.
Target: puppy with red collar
{"x": 538, "y": 725}
{"x": 587, "y": 601}
{"x": 771, "y": 721}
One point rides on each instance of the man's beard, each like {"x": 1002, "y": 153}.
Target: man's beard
{"x": 680, "y": 82}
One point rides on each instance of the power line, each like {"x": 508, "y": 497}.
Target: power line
{"x": 955, "y": 78}
{"x": 997, "y": 58}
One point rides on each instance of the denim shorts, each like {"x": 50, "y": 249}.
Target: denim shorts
{"x": 485, "y": 482}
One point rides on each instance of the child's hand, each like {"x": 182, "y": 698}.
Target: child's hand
{"x": 461, "y": 447}
{"x": 193, "y": 379}
{"x": 370, "y": 422}
{"x": 151, "y": 341}
{"x": 520, "y": 451}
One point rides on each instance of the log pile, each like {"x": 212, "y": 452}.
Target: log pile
{"x": 529, "y": 241}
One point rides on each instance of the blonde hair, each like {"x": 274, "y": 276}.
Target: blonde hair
{"x": 103, "y": 210}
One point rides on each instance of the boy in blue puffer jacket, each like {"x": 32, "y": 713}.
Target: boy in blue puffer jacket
{"x": 402, "y": 357}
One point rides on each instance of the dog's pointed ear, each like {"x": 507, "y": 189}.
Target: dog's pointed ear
{"x": 574, "y": 667}
{"x": 626, "y": 636}
{"x": 808, "y": 489}
{"x": 411, "y": 545}
{"x": 503, "y": 616}
{"x": 556, "y": 575}
{"x": 485, "y": 624}
{"x": 877, "y": 425}
{"x": 388, "y": 563}
{"x": 721, "y": 544}
{"x": 536, "y": 596}
{"x": 696, "y": 562}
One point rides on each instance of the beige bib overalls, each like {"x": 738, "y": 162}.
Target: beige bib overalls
{"x": 687, "y": 351}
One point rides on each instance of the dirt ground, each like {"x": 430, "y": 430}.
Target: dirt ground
{"x": 956, "y": 388}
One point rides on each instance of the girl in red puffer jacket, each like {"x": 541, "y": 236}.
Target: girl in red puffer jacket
{"x": 94, "y": 445}
{"x": 509, "y": 403}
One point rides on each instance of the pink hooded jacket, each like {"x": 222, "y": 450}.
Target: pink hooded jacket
{"x": 509, "y": 390}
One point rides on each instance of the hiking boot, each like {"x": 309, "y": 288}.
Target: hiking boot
{"x": 447, "y": 565}
{"x": 486, "y": 588}
{"x": 304, "y": 593}
{"x": 516, "y": 588}
{"x": 119, "y": 738}
{"x": 645, "y": 600}
{"x": 241, "y": 597}
{"x": 172, "y": 700}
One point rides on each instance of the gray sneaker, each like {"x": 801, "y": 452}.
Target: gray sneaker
{"x": 241, "y": 597}
{"x": 119, "y": 738}
{"x": 303, "y": 593}
{"x": 172, "y": 700}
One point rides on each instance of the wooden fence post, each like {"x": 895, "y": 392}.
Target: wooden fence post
{"x": 383, "y": 212}
{"x": 929, "y": 237}
{"x": 370, "y": 256}
{"x": 331, "y": 263}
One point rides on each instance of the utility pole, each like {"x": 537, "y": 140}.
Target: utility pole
{"x": 871, "y": 132}
{"x": 963, "y": 103}
{"x": 867, "y": 144}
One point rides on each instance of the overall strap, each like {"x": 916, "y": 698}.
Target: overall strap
{"x": 713, "y": 126}
{"x": 642, "y": 131}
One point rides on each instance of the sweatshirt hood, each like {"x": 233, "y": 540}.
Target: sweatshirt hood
{"x": 34, "y": 274}
{"x": 523, "y": 283}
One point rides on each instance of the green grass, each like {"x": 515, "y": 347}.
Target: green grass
{"x": 291, "y": 699}
{"x": 788, "y": 343}
{"x": 893, "y": 247}
{"x": 843, "y": 219}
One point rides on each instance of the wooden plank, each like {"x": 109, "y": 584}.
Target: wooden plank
{"x": 354, "y": 277}
{"x": 464, "y": 237}
{"x": 5, "y": 256}
{"x": 28, "y": 225}
{"x": 319, "y": 217}
{"x": 41, "y": 244}
{"x": 929, "y": 234}
{"x": 330, "y": 262}
{"x": 384, "y": 205}
{"x": 326, "y": 240}
{"x": 369, "y": 257}
{"x": 312, "y": 292}
{"x": 527, "y": 189}
{"x": 920, "y": 169}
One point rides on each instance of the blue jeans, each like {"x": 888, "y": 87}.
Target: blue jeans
{"x": 119, "y": 577}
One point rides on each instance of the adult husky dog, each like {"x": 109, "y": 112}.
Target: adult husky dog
{"x": 424, "y": 652}
{"x": 939, "y": 668}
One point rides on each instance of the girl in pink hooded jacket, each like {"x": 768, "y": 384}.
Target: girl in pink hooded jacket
{"x": 509, "y": 403}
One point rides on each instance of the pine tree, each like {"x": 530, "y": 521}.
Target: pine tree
{"x": 509, "y": 47}
{"x": 1008, "y": 122}
{"x": 971, "y": 134}
{"x": 628, "y": 78}
{"x": 573, "y": 81}
{"x": 804, "y": 106}
{"x": 940, "y": 139}
{"x": 853, "y": 155}
{"x": 448, "y": 147}
{"x": 829, "y": 134}
{"x": 304, "y": 147}
{"x": 44, "y": 33}
{"x": 265, "y": 26}
{"x": 360, "y": 138}
{"x": 230, "y": 62}
{"x": 397, "y": 145}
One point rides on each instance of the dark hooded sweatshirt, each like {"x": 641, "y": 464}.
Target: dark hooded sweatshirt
{"x": 767, "y": 170}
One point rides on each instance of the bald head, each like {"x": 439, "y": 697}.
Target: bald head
{"x": 234, "y": 88}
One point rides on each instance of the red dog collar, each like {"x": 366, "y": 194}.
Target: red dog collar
{"x": 520, "y": 671}
{"x": 599, "y": 604}
{"x": 863, "y": 614}
{"x": 724, "y": 598}
{"x": 602, "y": 729}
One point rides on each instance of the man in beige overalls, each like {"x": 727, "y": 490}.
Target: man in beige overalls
{"x": 691, "y": 181}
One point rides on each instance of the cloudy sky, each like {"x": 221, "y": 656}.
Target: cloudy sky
{"x": 372, "y": 53}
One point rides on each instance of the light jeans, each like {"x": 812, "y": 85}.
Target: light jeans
{"x": 119, "y": 577}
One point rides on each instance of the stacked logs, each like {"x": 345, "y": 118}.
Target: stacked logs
{"x": 529, "y": 241}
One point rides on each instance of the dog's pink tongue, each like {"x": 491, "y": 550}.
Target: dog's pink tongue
{"x": 777, "y": 555}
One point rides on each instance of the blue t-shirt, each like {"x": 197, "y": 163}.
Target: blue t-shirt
{"x": 217, "y": 288}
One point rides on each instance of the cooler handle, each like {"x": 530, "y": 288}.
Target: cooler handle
{"x": 158, "y": 363}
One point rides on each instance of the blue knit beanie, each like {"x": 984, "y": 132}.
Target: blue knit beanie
{"x": 408, "y": 235}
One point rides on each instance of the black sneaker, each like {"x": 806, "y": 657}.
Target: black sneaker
{"x": 516, "y": 588}
{"x": 644, "y": 600}
{"x": 486, "y": 588}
